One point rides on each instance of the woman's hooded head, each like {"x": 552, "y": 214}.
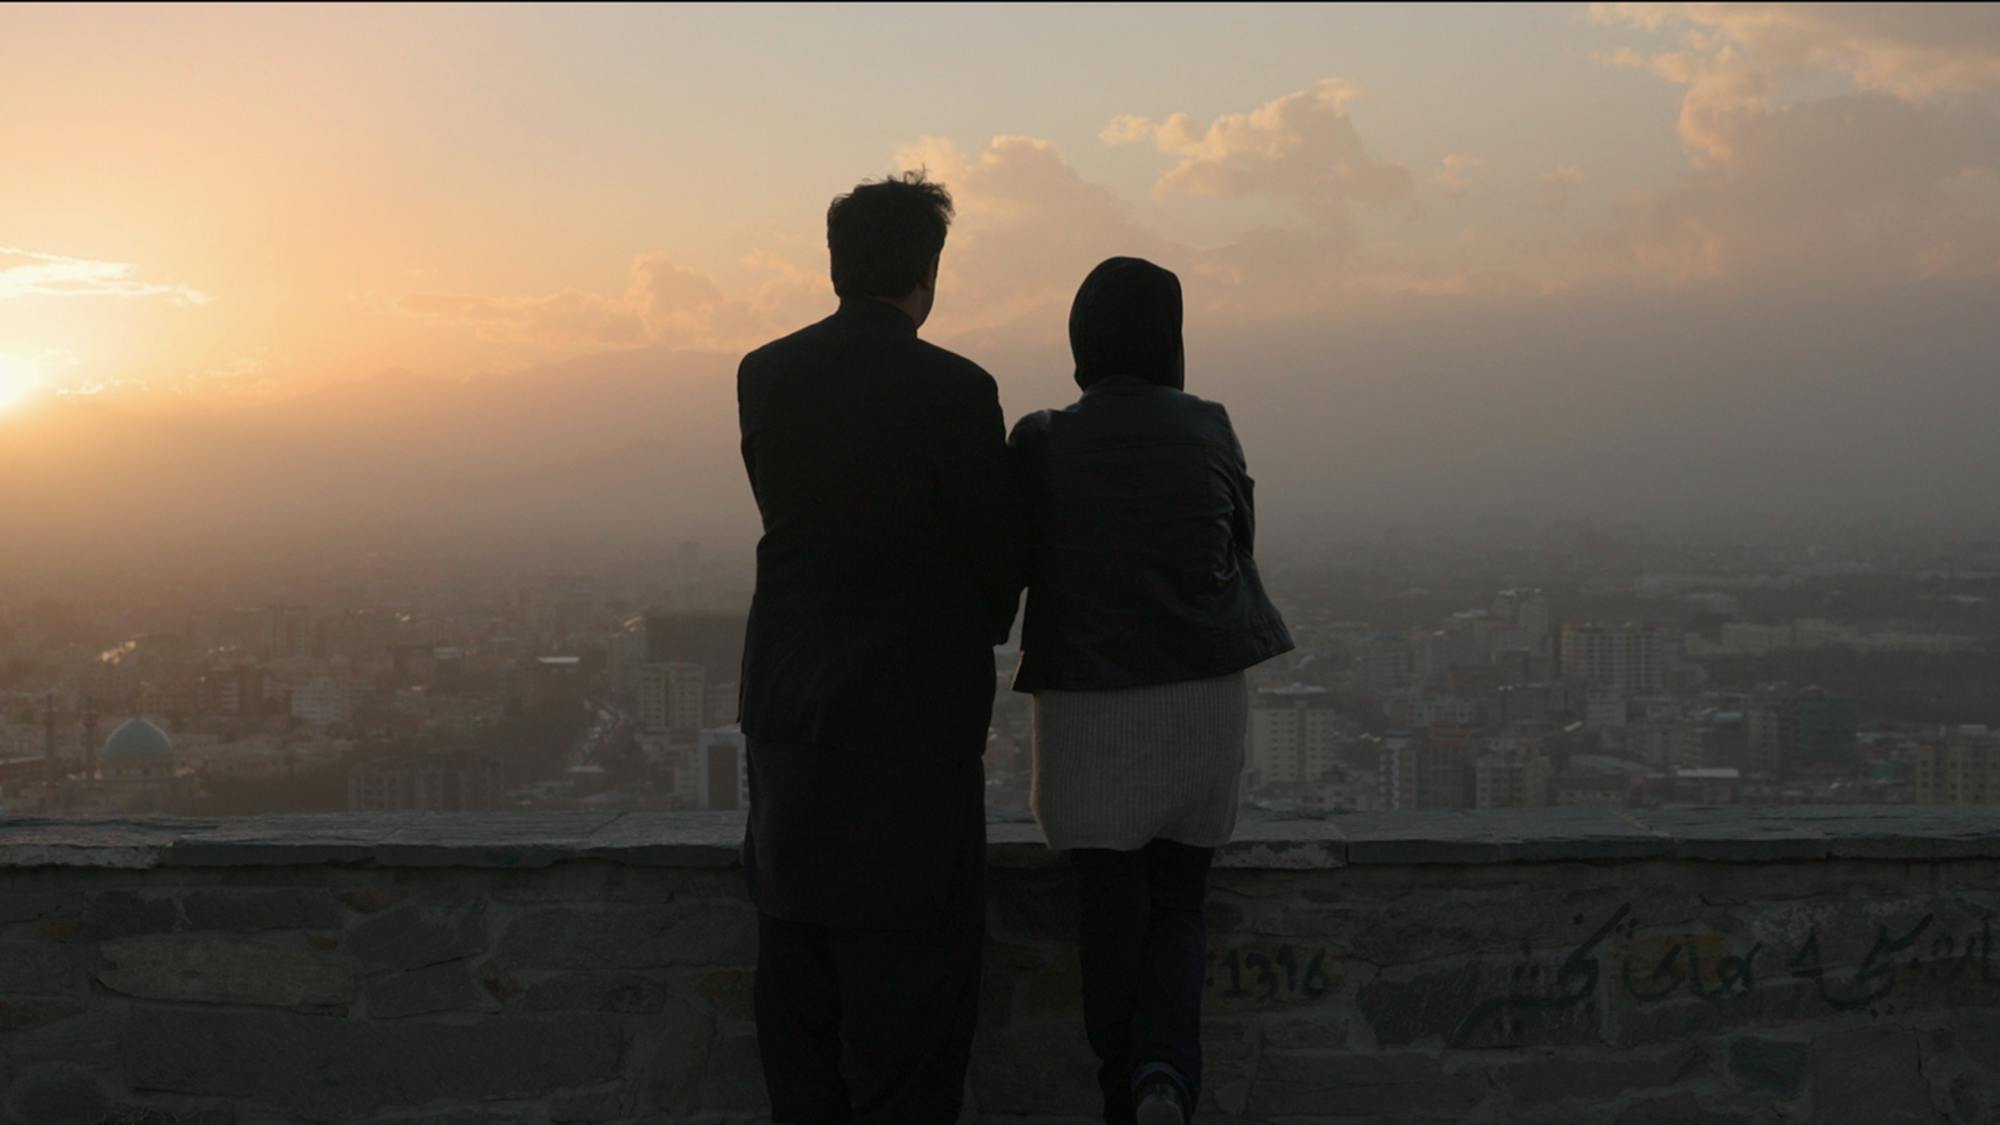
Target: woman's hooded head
{"x": 1126, "y": 320}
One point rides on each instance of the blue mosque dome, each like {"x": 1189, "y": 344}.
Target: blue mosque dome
{"x": 137, "y": 744}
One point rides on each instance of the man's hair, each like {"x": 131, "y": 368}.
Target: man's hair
{"x": 883, "y": 235}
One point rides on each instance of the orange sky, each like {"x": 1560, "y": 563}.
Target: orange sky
{"x": 244, "y": 201}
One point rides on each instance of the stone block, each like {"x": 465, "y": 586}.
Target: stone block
{"x": 1285, "y": 845}
{"x": 1481, "y": 1004}
{"x": 435, "y": 988}
{"x": 1595, "y": 1077}
{"x": 511, "y": 840}
{"x": 1496, "y": 836}
{"x": 251, "y": 911}
{"x": 174, "y": 1112}
{"x": 1376, "y": 1085}
{"x": 27, "y": 1013}
{"x": 731, "y": 993}
{"x": 1229, "y": 1065}
{"x": 25, "y": 896}
{"x": 1974, "y": 1099}
{"x": 413, "y": 935}
{"x": 671, "y": 1058}
{"x": 226, "y": 970}
{"x": 116, "y": 914}
{"x": 295, "y": 840}
{"x": 626, "y": 993}
{"x": 684, "y": 932}
{"x": 30, "y": 968}
{"x": 89, "y": 1038}
{"x": 1872, "y": 1074}
{"x": 670, "y": 840}
{"x": 132, "y": 843}
{"x": 373, "y": 899}
{"x": 1688, "y": 1109}
{"x": 322, "y": 1067}
{"x": 1977, "y": 1033}
{"x": 590, "y": 1106}
{"x": 1328, "y": 1032}
{"x": 1773, "y": 1066}
{"x": 1734, "y": 835}
{"x": 56, "y": 1095}
{"x": 733, "y": 1079}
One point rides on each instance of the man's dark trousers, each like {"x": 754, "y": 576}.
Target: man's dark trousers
{"x": 858, "y": 1022}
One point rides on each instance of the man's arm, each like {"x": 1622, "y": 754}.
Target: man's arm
{"x": 743, "y": 428}
{"x": 981, "y": 498}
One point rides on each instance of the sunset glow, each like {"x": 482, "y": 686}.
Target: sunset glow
{"x": 18, "y": 382}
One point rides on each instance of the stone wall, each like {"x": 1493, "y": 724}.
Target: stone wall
{"x": 1677, "y": 967}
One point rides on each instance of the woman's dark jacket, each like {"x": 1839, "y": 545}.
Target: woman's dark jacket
{"x": 1141, "y": 570}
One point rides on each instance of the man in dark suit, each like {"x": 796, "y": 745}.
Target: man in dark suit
{"x": 890, "y": 565}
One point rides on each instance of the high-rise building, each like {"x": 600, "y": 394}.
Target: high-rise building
{"x": 1385, "y": 662}
{"x": 237, "y": 692}
{"x": 1632, "y": 658}
{"x": 720, "y": 709}
{"x": 721, "y": 778}
{"x": 1958, "y": 771}
{"x": 1511, "y": 778}
{"x": 1526, "y": 613}
{"x": 1788, "y": 731}
{"x": 446, "y": 781}
{"x": 1665, "y": 743}
{"x": 673, "y": 698}
{"x": 286, "y": 632}
{"x": 322, "y": 701}
{"x": 1294, "y": 733}
{"x": 1430, "y": 770}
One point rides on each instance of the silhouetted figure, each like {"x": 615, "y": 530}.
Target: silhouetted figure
{"x": 890, "y": 565}
{"x": 1144, "y": 609}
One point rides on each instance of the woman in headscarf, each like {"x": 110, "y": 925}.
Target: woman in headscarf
{"x": 1144, "y": 610}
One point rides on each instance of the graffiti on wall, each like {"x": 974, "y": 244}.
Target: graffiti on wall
{"x": 1840, "y": 963}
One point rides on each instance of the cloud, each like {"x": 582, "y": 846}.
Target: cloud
{"x": 1733, "y": 58}
{"x": 1888, "y": 179}
{"x": 1127, "y": 129}
{"x": 662, "y": 303}
{"x": 1301, "y": 147}
{"x": 566, "y": 318}
{"x": 1028, "y": 228}
{"x": 1456, "y": 173}
{"x": 1555, "y": 188}
{"x": 1914, "y": 51}
{"x": 30, "y": 273}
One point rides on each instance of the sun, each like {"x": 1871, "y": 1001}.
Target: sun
{"x": 18, "y": 383}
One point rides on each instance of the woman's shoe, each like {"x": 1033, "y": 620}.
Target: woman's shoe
{"x": 1160, "y": 1104}
{"x": 1160, "y": 1097}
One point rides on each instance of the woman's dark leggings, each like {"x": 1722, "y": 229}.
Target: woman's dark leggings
{"x": 1145, "y": 958}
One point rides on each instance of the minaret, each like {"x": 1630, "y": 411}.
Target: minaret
{"x": 89, "y": 742}
{"x": 49, "y": 747}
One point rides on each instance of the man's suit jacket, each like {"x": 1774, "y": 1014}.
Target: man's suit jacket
{"x": 890, "y": 565}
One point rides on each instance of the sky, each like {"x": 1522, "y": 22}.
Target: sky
{"x": 240, "y": 206}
